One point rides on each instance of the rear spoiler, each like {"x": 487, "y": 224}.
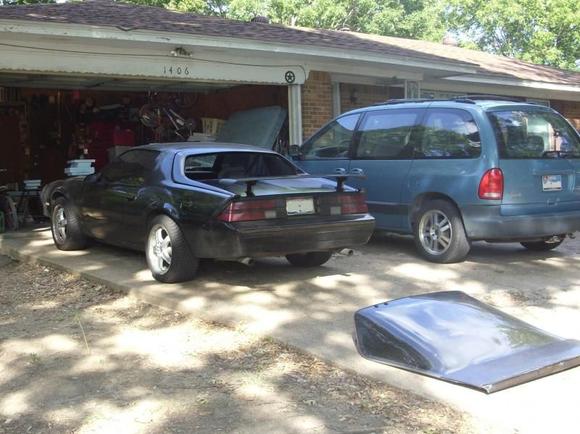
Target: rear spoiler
{"x": 250, "y": 182}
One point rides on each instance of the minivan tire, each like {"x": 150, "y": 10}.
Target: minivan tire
{"x": 439, "y": 232}
{"x": 540, "y": 246}
{"x": 179, "y": 265}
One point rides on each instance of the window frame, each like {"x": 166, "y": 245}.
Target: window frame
{"x": 415, "y": 133}
{"x": 419, "y": 148}
{"x": 119, "y": 160}
{"x": 325, "y": 129}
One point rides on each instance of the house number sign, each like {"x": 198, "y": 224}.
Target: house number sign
{"x": 176, "y": 70}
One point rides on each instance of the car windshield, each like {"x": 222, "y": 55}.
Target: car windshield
{"x": 233, "y": 165}
{"x": 534, "y": 134}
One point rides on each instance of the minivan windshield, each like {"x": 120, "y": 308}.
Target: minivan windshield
{"x": 525, "y": 134}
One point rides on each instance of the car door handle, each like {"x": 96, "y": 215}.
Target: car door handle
{"x": 357, "y": 171}
{"x": 340, "y": 170}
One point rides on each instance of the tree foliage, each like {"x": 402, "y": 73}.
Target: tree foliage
{"x": 538, "y": 31}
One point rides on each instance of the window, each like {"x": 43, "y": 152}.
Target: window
{"x": 534, "y": 134}
{"x": 237, "y": 165}
{"x": 333, "y": 141}
{"x": 131, "y": 168}
{"x": 387, "y": 134}
{"x": 449, "y": 133}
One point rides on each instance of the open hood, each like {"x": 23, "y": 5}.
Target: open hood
{"x": 454, "y": 337}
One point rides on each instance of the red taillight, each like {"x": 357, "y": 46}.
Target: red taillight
{"x": 353, "y": 203}
{"x": 491, "y": 185}
{"x": 244, "y": 211}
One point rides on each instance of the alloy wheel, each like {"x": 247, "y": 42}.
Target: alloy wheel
{"x": 159, "y": 249}
{"x": 59, "y": 224}
{"x": 435, "y": 232}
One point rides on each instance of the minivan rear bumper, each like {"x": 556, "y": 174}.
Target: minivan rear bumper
{"x": 484, "y": 222}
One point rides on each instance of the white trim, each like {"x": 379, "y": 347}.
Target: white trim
{"x": 385, "y": 78}
{"x": 99, "y": 32}
{"x": 295, "y": 114}
{"x": 515, "y": 82}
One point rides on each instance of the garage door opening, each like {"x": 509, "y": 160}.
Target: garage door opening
{"x": 47, "y": 121}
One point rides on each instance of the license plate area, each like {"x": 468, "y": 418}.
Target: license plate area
{"x": 552, "y": 183}
{"x": 300, "y": 206}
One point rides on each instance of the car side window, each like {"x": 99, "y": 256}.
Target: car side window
{"x": 388, "y": 134}
{"x": 333, "y": 141}
{"x": 449, "y": 133}
{"x": 131, "y": 168}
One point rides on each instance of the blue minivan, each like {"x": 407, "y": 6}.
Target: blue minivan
{"x": 455, "y": 171}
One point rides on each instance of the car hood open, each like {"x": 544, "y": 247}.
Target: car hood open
{"x": 456, "y": 338}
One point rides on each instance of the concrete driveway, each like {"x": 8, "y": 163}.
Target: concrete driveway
{"x": 312, "y": 309}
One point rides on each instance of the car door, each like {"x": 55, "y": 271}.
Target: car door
{"x": 101, "y": 206}
{"x": 328, "y": 151}
{"x": 383, "y": 153}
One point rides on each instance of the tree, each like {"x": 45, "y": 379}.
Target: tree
{"x": 539, "y": 31}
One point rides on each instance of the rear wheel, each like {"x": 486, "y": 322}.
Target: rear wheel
{"x": 310, "y": 259}
{"x": 168, "y": 255}
{"x": 439, "y": 233}
{"x": 541, "y": 246}
{"x": 66, "y": 227}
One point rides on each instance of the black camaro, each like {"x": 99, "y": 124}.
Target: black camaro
{"x": 183, "y": 202}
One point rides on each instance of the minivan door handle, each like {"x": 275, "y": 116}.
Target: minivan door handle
{"x": 340, "y": 170}
{"x": 357, "y": 171}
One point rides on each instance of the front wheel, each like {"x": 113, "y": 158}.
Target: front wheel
{"x": 310, "y": 259}
{"x": 439, "y": 233}
{"x": 168, "y": 255}
{"x": 65, "y": 225}
{"x": 541, "y": 246}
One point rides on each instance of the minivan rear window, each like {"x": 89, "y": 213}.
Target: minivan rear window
{"x": 525, "y": 134}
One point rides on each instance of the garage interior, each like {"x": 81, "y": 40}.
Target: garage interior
{"x": 47, "y": 121}
{"x": 55, "y": 126}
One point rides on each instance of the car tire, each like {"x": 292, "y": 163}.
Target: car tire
{"x": 310, "y": 259}
{"x": 439, "y": 233}
{"x": 168, "y": 255}
{"x": 540, "y": 246}
{"x": 65, "y": 226}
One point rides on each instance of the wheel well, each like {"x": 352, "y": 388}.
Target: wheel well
{"x": 421, "y": 199}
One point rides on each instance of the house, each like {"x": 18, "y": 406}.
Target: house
{"x": 74, "y": 77}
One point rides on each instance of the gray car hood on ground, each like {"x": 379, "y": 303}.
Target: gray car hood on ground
{"x": 456, "y": 338}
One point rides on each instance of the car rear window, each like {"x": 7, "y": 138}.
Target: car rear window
{"x": 236, "y": 165}
{"x": 525, "y": 134}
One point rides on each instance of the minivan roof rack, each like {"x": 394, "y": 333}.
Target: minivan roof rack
{"x": 468, "y": 99}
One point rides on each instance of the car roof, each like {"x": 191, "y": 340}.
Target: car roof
{"x": 203, "y": 147}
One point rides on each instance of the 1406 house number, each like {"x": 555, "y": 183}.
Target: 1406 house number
{"x": 176, "y": 70}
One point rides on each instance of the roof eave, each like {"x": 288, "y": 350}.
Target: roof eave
{"x": 313, "y": 51}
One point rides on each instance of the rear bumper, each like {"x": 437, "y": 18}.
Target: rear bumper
{"x": 265, "y": 238}
{"x": 486, "y": 223}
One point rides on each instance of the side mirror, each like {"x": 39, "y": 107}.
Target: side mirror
{"x": 295, "y": 152}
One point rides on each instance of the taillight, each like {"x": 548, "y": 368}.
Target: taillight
{"x": 249, "y": 210}
{"x": 353, "y": 203}
{"x": 491, "y": 185}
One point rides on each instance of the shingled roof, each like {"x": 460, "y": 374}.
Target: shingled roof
{"x": 107, "y": 13}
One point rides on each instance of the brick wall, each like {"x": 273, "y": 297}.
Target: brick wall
{"x": 353, "y": 96}
{"x": 316, "y": 102}
{"x": 569, "y": 109}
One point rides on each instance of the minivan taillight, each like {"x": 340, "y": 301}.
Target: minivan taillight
{"x": 491, "y": 185}
{"x": 249, "y": 210}
{"x": 353, "y": 203}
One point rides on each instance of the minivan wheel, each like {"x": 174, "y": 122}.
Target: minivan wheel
{"x": 168, "y": 255}
{"x": 439, "y": 233}
{"x": 541, "y": 246}
{"x": 310, "y": 259}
